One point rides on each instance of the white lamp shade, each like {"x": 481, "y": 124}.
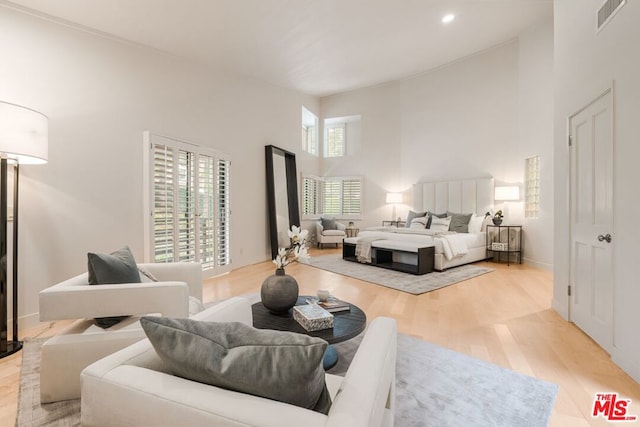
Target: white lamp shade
{"x": 23, "y": 134}
{"x": 394, "y": 197}
{"x": 507, "y": 193}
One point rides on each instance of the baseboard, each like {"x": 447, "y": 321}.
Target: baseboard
{"x": 560, "y": 308}
{"x": 25, "y": 322}
{"x": 537, "y": 264}
{"x": 627, "y": 363}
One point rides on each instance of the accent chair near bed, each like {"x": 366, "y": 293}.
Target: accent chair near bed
{"x": 329, "y": 231}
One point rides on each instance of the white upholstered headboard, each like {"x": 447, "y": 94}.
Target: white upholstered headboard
{"x": 462, "y": 196}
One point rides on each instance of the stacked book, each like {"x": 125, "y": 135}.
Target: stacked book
{"x": 312, "y": 317}
{"x": 332, "y": 304}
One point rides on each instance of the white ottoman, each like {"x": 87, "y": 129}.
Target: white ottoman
{"x": 65, "y": 355}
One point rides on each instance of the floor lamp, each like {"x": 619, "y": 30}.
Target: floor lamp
{"x": 23, "y": 139}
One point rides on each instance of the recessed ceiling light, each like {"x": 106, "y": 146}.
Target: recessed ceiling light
{"x": 448, "y": 18}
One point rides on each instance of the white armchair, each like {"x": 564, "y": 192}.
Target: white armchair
{"x": 132, "y": 387}
{"x": 177, "y": 292}
{"x": 330, "y": 236}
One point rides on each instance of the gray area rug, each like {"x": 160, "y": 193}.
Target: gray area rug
{"x": 30, "y": 411}
{"x": 405, "y": 282}
{"x": 435, "y": 387}
{"x": 442, "y": 388}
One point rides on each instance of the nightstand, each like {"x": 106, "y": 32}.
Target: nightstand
{"x": 351, "y": 231}
{"x": 393, "y": 223}
{"x": 504, "y": 239}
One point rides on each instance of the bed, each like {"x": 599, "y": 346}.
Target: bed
{"x": 470, "y": 196}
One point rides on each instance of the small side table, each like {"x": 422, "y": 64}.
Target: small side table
{"x": 504, "y": 239}
{"x": 351, "y": 231}
{"x": 394, "y": 223}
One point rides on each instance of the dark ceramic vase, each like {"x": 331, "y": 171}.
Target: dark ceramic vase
{"x": 497, "y": 220}
{"x": 279, "y": 292}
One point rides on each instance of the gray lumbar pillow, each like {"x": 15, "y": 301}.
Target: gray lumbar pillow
{"x": 282, "y": 366}
{"x": 118, "y": 267}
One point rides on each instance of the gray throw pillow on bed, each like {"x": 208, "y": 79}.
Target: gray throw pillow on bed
{"x": 431, "y": 215}
{"x": 282, "y": 366}
{"x": 459, "y": 222}
{"x": 411, "y": 215}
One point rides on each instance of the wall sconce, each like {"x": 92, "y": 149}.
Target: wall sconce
{"x": 393, "y": 199}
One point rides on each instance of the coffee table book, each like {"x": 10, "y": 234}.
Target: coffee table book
{"x": 312, "y": 317}
{"x": 332, "y": 304}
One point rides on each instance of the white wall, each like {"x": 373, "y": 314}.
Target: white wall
{"x": 479, "y": 116}
{"x": 535, "y": 125}
{"x": 100, "y": 95}
{"x": 586, "y": 63}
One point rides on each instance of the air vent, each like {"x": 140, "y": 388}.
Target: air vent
{"x": 607, "y": 11}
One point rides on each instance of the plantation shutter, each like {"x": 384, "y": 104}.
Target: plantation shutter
{"x": 223, "y": 227}
{"x": 164, "y": 216}
{"x": 186, "y": 207}
{"x": 190, "y": 205}
{"x": 206, "y": 211}
{"x": 332, "y": 197}
{"x": 351, "y": 196}
{"x": 309, "y": 196}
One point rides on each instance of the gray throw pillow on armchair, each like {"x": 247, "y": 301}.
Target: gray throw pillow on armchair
{"x": 328, "y": 224}
{"x": 105, "y": 269}
{"x": 282, "y": 366}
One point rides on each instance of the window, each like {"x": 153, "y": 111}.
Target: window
{"x": 309, "y": 132}
{"x": 335, "y": 140}
{"x": 187, "y": 195}
{"x": 337, "y": 196}
{"x": 532, "y": 187}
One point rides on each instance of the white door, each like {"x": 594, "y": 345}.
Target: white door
{"x": 591, "y": 139}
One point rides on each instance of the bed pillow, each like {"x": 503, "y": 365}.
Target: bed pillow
{"x": 459, "y": 222}
{"x": 411, "y": 215}
{"x": 329, "y": 224}
{"x": 475, "y": 223}
{"x": 282, "y": 366}
{"x": 432, "y": 214}
{"x": 440, "y": 224}
{"x": 419, "y": 223}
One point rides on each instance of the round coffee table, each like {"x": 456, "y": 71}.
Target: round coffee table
{"x": 346, "y": 325}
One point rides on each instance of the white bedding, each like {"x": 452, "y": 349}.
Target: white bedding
{"x": 450, "y": 244}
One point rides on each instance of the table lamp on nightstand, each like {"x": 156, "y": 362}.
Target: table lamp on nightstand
{"x": 393, "y": 199}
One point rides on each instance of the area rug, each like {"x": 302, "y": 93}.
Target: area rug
{"x": 435, "y": 387}
{"x": 439, "y": 387}
{"x": 396, "y": 279}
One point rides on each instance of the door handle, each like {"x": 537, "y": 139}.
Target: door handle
{"x": 606, "y": 237}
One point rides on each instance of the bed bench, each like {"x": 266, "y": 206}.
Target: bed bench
{"x": 408, "y": 257}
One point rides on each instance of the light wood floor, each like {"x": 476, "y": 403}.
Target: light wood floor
{"x": 503, "y": 317}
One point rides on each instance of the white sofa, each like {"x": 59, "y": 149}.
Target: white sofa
{"x": 330, "y": 236}
{"x": 177, "y": 292}
{"x": 132, "y": 388}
